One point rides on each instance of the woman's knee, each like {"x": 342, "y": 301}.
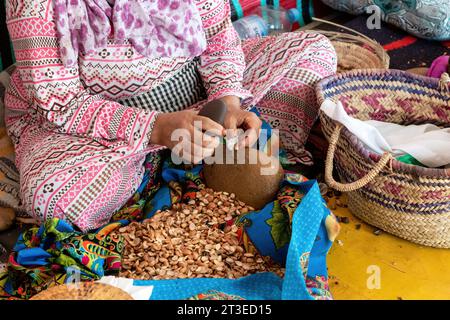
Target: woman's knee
{"x": 322, "y": 52}
{"x": 314, "y": 49}
{"x": 328, "y": 54}
{"x": 84, "y": 196}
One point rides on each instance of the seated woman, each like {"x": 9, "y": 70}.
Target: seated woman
{"x": 100, "y": 84}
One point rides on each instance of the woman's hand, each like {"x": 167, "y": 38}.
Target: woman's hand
{"x": 237, "y": 118}
{"x": 183, "y": 133}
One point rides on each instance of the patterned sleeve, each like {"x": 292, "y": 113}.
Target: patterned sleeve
{"x": 56, "y": 92}
{"x": 222, "y": 63}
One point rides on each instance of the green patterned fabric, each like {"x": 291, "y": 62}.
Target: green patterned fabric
{"x": 56, "y": 253}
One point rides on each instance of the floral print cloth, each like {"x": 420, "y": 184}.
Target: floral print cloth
{"x": 162, "y": 28}
{"x": 56, "y": 253}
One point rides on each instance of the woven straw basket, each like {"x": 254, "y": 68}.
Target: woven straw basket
{"x": 83, "y": 291}
{"x": 408, "y": 201}
{"x": 355, "y": 50}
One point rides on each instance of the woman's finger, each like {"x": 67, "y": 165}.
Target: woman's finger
{"x": 230, "y": 123}
{"x": 232, "y": 133}
{"x": 209, "y": 125}
{"x": 211, "y": 142}
{"x": 204, "y": 140}
{"x": 253, "y": 126}
{"x": 247, "y": 139}
{"x": 252, "y": 121}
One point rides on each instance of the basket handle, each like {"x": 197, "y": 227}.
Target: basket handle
{"x": 346, "y": 187}
{"x": 344, "y": 27}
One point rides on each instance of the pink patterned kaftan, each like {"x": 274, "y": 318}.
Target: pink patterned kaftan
{"x": 80, "y": 153}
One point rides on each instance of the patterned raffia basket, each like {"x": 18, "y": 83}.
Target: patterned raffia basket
{"x": 355, "y": 50}
{"x": 411, "y": 202}
{"x": 83, "y": 291}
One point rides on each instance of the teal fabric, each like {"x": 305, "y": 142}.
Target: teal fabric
{"x": 238, "y": 8}
{"x": 260, "y": 286}
{"x": 429, "y": 19}
{"x": 301, "y": 21}
{"x": 409, "y": 159}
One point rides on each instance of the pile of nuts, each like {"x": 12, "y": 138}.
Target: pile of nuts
{"x": 187, "y": 242}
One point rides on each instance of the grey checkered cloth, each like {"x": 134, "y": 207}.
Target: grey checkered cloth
{"x": 179, "y": 92}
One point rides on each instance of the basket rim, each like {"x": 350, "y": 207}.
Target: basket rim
{"x": 382, "y": 58}
{"x": 347, "y": 35}
{"x": 344, "y": 38}
{"x": 371, "y": 73}
{"x": 371, "y": 156}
